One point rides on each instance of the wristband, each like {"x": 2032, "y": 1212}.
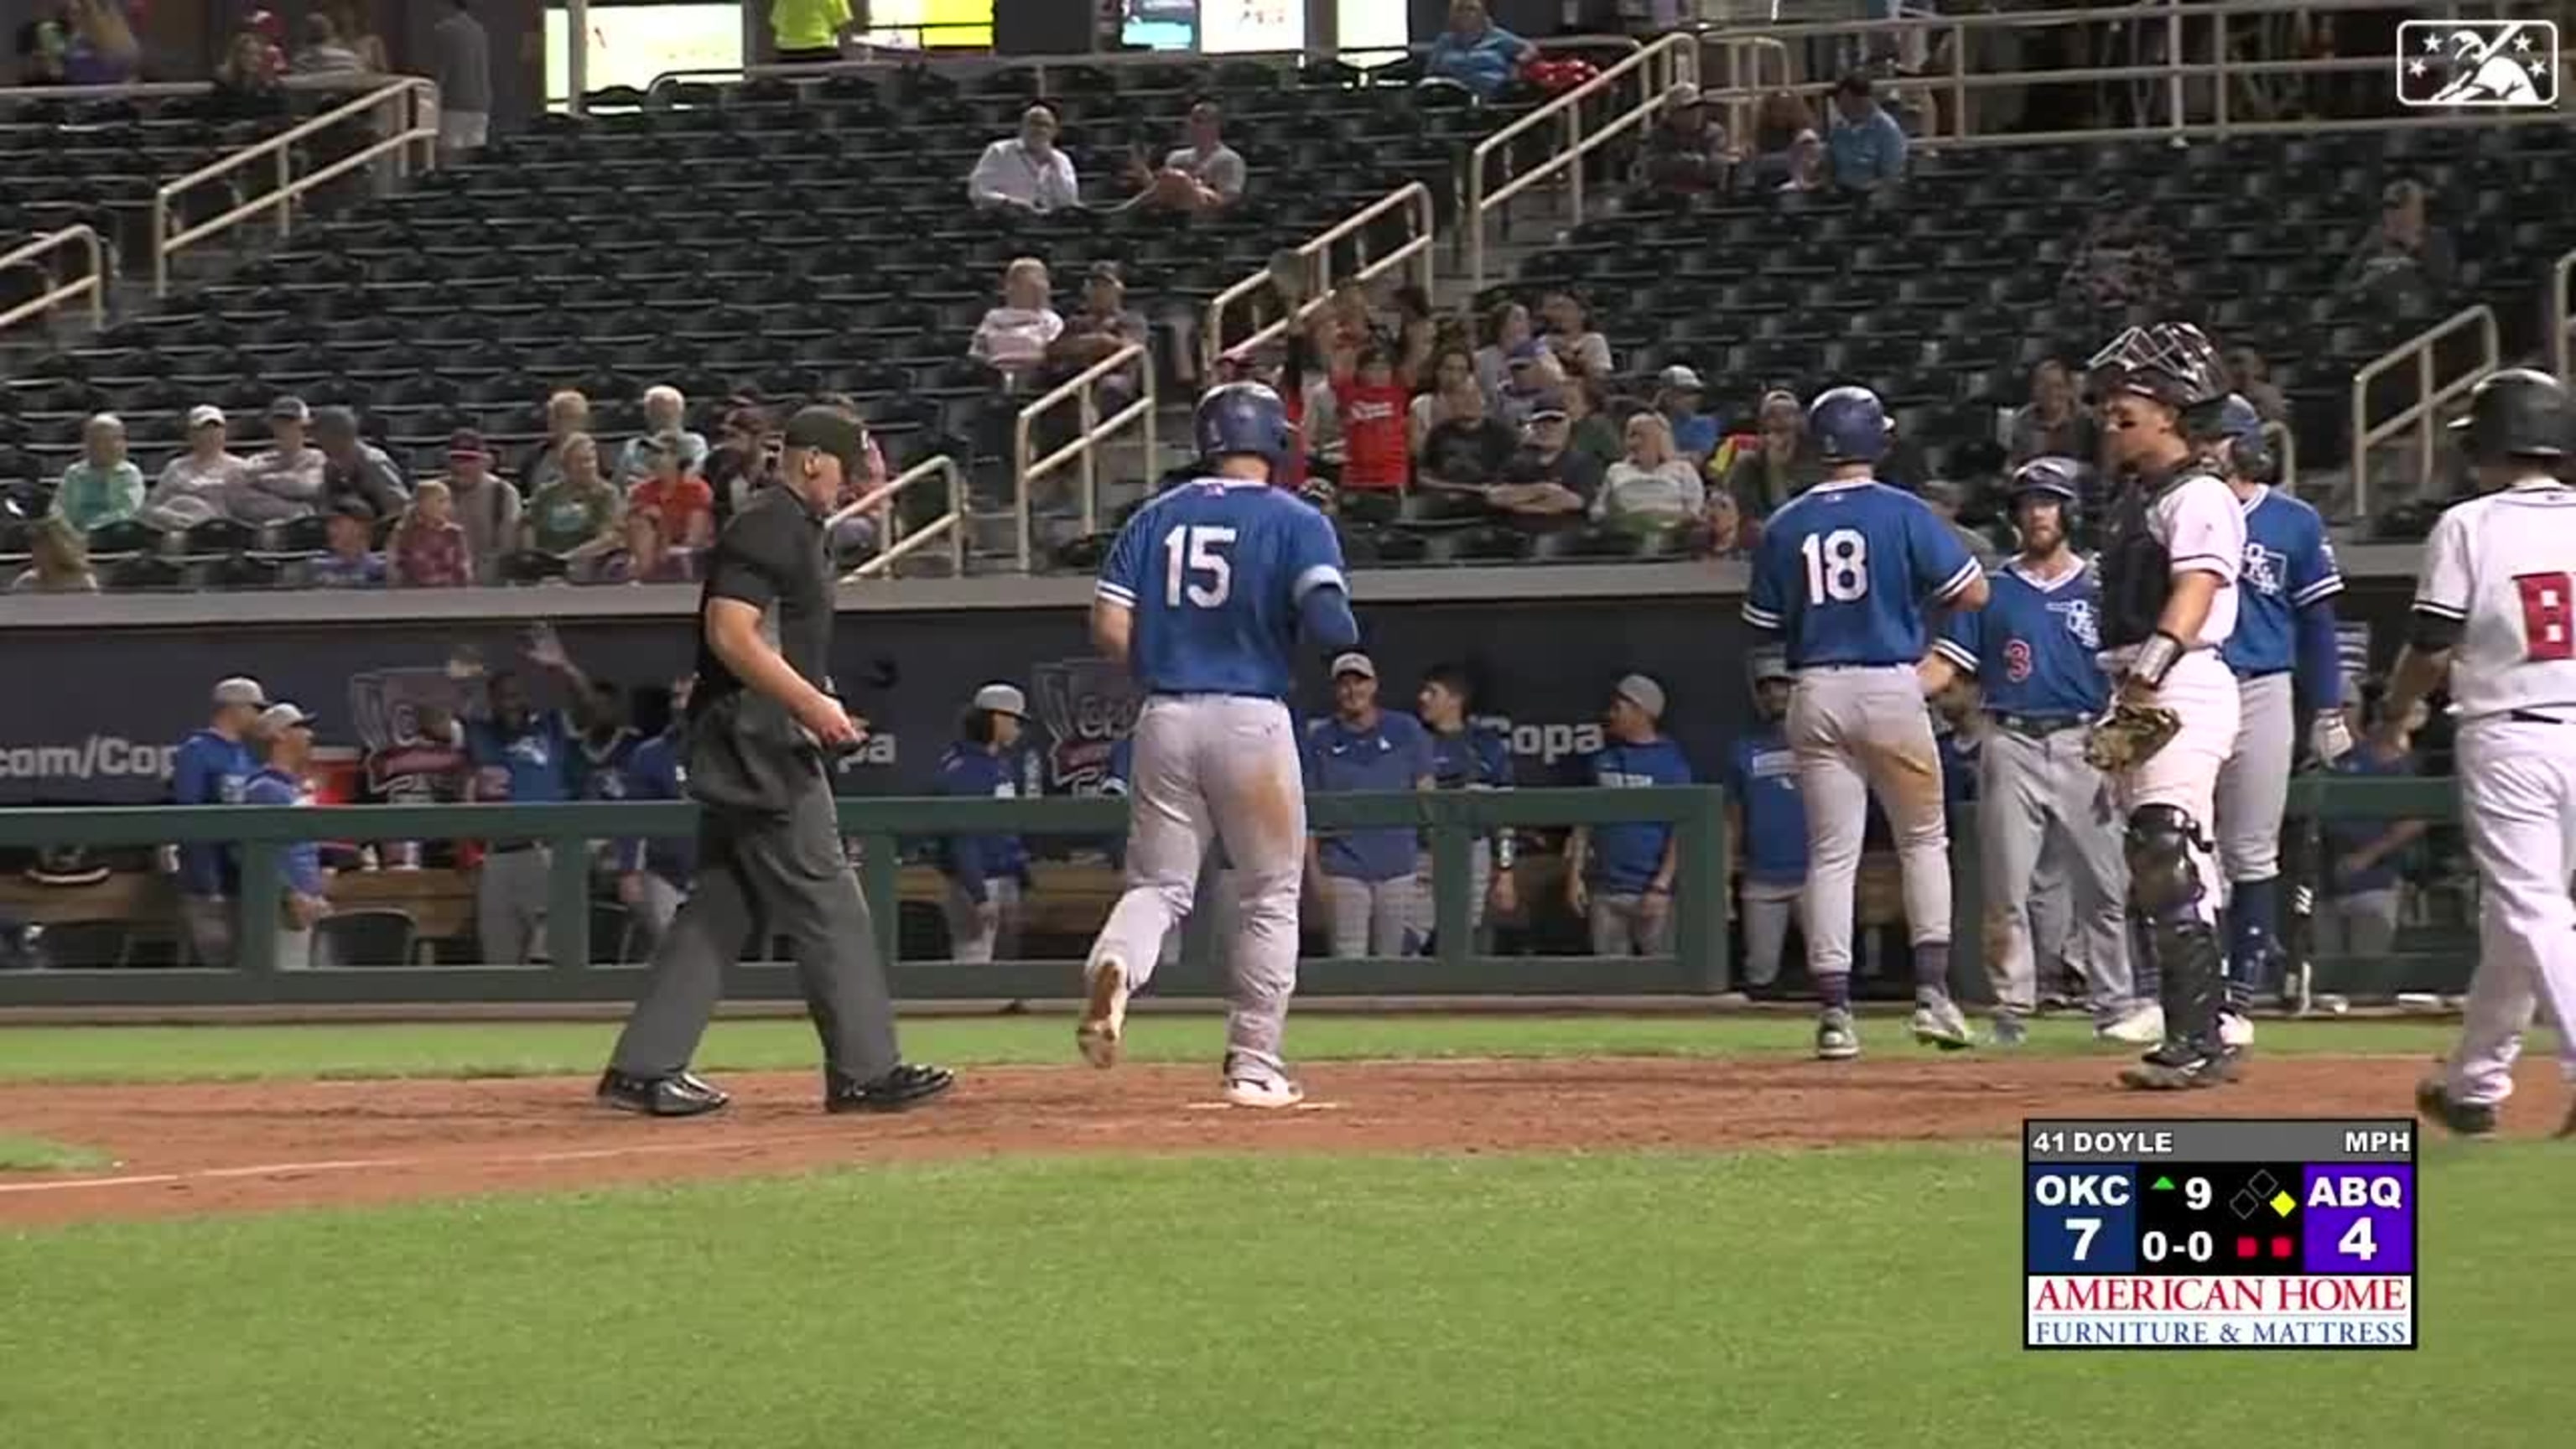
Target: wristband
{"x": 2156, "y": 658}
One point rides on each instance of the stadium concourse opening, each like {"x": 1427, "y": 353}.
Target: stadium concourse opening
{"x": 186, "y": 1149}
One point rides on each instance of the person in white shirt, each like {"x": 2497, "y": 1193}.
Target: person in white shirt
{"x": 1652, "y": 487}
{"x": 665, "y": 411}
{"x": 285, "y": 480}
{"x": 2496, "y": 612}
{"x": 195, "y": 485}
{"x": 1204, "y": 175}
{"x": 1016, "y": 335}
{"x": 1026, "y": 172}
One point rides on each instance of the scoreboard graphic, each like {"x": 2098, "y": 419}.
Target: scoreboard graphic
{"x": 2219, "y": 1233}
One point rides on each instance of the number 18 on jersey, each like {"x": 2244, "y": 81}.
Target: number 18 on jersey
{"x": 2292, "y": 1233}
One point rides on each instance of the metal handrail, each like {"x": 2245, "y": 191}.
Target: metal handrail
{"x": 2285, "y": 447}
{"x": 1737, "y": 54}
{"x": 1317, "y": 253}
{"x": 1660, "y": 66}
{"x": 418, "y": 125}
{"x": 95, "y": 284}
{"x": 2425, "y": 411}
{"x": 2562, "y": 314}
{"x": 892, "y": 542}
{"x": 1082, "y": 386}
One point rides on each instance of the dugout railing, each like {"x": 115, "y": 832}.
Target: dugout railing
{"x": 1451, "y": 820}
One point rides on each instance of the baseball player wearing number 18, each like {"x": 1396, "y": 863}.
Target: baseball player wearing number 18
{"x": 2496, "y": 609}
{"x": 1843, "y": 575}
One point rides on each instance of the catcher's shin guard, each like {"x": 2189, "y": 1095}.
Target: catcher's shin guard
{"x": 2165, "y": 890}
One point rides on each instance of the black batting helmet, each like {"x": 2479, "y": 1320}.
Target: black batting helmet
{"x": 2232, "y": 424}
{"x": 2521, "y": 412}
{"x": 2171, "y": 362}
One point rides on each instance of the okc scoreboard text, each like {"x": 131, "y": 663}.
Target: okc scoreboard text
{"x": 2281, "y": 1233}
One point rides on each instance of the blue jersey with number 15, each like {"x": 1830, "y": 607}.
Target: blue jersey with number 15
{"x": 1844, "y": 570}
{"x": 1214, "y": 572}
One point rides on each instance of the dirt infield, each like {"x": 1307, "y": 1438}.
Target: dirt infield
{"x": 189, "y": 1149}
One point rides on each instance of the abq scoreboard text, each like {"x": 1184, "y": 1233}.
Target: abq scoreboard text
{"x": 2219, "y": 1233}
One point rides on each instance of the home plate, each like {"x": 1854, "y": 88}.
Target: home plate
{"x": 1230, "y": 1107}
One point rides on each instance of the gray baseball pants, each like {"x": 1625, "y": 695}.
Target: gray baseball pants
{"x": 2037, "y": 795}
{"x": 1856, "y": 732}
{"x": 2254, "y": 783}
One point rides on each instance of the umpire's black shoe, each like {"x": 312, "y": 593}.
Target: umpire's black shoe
{"x": 681, "y": 1094}
{"x": 2183, "y": 1067}
{"x": 2465, "y": 1119}
{"x": 906, "y": 1086}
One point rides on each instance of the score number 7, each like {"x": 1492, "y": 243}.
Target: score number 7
{"x": 2196, "y": 1191}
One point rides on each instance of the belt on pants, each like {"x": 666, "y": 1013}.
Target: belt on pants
{"x": 2041, "y": 726}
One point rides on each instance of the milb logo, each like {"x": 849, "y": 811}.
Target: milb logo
{"x": 100, "y": 757}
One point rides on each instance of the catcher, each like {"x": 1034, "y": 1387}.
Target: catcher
{"x": 2170, "y": 554}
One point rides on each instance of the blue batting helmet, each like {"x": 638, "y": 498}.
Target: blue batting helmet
{"x": 2050, "y": 477}
{"x": 1849, "y": 425}
{"x": 1243, "y": 417}
{"x": 2237, "y": 429}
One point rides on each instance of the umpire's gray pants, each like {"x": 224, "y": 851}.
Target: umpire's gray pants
{"x": 510, "y": 905}
{"x": 1769, "y": 906}
{"x": 2363, "y": 923}
{"x": 209, "y": 923}
{"x": 2254, "y": 782}
{"x": 2035, "y": 795}
{"x": 789, "y": 873}
{"x": 981, "y": 932}
{"x": 1371, "y": 917}
{"x": 1621, "y": 926}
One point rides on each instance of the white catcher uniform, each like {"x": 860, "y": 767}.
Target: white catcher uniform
{"x": 2201, "y": 527}
{"x": 2504, "y": 566}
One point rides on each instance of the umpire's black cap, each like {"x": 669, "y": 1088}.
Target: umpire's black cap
{"x": 831, "y": 432}
{"x": 2520, "y": 412}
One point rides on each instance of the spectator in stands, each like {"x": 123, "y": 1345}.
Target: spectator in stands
{"x": 1652, "y": 488}
{"x": 57, "y": 561}
{"x": 2250, "y": 377}
{"x": 808, "y": 32}
{"x": 2406, "y": 257}
{"x": 1369, "y": 403}
{"x": 576, "y": 516}
{"x": 284, "y": 740}
{"x": 285, "y": 480}
{"x": 1779, "y": 123}
{"x": 1546, "y": 481}
{"x": 1026, "y": 172}
{"x": 2051, "y": 424}
{"x": 1807, "y": 164}
{"x": 2122, "y": 269}
{"x": 211, "y": 767}
{"x": 1688, "y": 153}
{"x": 567, "y": 417}
{"x": 1203, "y": 174}
{"x": 1566, "y": 325}
{"x": 1868, "y": 146}
{"x": 1451, "y": 369}
{"x": 358, "y": 32}
{"x": 194, "y": 486}
{"x": 462, "y": 66}
{"x": 355, "y": 470}
{"x": 1366, "y": 877}
{"x": 1465, "y": 449}
{"x": 104, "y": 486}
{"x": 682, "y": 505}
{"x": 1678, "y": 395}
{"x": 1097, "y": 330}
{"x": 429, "y": 549}
{"x": 326, "y": 51}
{"x": 645, "y": 555}
{"x": 1781, "y": 465}
{"x": 742, "y": 461}
{"x": 665, "y": 414}
{"x": 43, "y": 42}
{"x": 1015, "y": 336}
{"x": 350, "y": 560}
{"x": 251, "y": 69}
{"x": 487, "y": 505}
{"x": 1476, "y": 53}
{"x": 1507, "y": 326}
{"x": 102, "y": 49}
{"x": 1619, "y": 878}
{"x": 1725, "y": 525}
{"x": 1530, "y": 373}
{"x": 1590, "y": 432}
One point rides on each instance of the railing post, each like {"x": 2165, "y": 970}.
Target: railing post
{"x": 161, "y": 245}
{"x": 1699, "y": 901}
{"x": 881, "y": 882}
{"x": 2423, "y": 418}
{"x": 1021, "y": 484}
{"x": 1453, "y": 883}
{"x": 1087, "y": 403}
{"x": 262, "y": 895}
{"x": 567, "y": 905}
{"x": 1574, "y": 170}
{"x": 956, "y": 516}
{"x": 285, "y": 197}
{"x": 2174, "y": 88}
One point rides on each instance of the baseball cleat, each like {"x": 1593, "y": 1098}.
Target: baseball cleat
{"x": 2235, "y": 1030}
{"x": 681, "y": 1094}
{"x": 2464, "y": 1119}
{"x": 1104, "y": 1014}
{"x": 1837, "y": 1040}
{"x": 2141, "y": 1025}
{"x": 1270, "y": 1092}
{"x": 1939, "y": 1024}
{"x": 2181, "y": 1067}
{"x": 2011, "y": 1030}
{"x": 906, "y": 1086}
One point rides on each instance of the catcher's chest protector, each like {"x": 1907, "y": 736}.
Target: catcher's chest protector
{"x": 2137, "y": 571}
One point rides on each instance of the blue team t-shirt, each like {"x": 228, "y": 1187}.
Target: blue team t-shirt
{"x": 1391, "y": 755}
{"x": 1762, "y": 776}
{"x": 1624, "y": 858}
{"x": 531, "y": 765}
{"x": 209, "y": 770}
{"x": 300, "y": 863}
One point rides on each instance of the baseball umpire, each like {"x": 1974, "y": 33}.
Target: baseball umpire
{"x": 2170, "y": 556}
{"x": 762, "y": 720}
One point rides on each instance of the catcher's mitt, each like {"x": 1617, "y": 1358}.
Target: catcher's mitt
{"x": 2129, "y": 736}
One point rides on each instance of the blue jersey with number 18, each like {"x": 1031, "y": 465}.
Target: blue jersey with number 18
{"x": 1214, "y": 571}
{"x": 1844, "y": 570}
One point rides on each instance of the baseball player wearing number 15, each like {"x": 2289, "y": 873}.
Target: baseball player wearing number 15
{"x": 1843, "y": 576}
{"x": 1204, "y": 596}
{"x": 2496, "y": 608}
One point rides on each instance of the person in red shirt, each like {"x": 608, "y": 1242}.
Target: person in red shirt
{"x": 429, "y": 550}
{"x": 679, "y": 498}
{"x": 1372, "y": 401}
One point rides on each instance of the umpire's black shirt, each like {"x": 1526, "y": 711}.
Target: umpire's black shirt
{"x": 772, "y": 557}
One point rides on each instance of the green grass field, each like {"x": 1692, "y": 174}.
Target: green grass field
{"x": 1805, "y": 1299}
